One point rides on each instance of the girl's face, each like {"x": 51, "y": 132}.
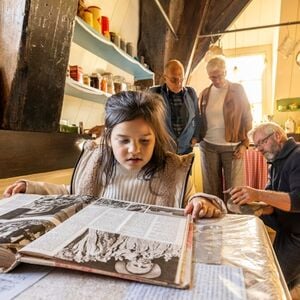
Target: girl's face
{"x": 133, "y": 143}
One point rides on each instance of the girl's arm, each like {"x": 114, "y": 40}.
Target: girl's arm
{"x": 36, "y": 187}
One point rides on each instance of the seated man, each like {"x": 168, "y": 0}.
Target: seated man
{"x": 282, "y": 195}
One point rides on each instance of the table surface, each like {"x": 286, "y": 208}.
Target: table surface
{"x": 241, "y": 241}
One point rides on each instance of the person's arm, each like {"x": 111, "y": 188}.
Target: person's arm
{"x": 36, "y": 187}
{"x": 245, "y": 195}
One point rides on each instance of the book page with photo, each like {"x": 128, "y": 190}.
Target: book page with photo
{"x": 122, "y": 239}
{"x": 27, "y": 217}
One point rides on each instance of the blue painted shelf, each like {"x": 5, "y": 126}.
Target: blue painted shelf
{"x": 79, "y": 90}
{"x": 88, "y": 38}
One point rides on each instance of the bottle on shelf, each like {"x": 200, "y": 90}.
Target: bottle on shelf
{"x": 289, "y": 125}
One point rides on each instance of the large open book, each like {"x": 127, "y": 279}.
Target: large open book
{"x": 117, "y": 238}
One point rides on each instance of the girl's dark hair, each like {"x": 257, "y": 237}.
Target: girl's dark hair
{"x": 128, "y": 106}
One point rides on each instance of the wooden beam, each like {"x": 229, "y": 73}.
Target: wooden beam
{"x": 38, "y": 35}
{"x": 156, "y": 42}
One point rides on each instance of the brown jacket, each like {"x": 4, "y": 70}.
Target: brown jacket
{"x": 236, "y": 111}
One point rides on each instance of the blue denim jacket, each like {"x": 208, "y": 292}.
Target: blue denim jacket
{"x": 191, "y": 129}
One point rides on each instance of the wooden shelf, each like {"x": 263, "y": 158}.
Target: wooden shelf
{"x": 283, "y": 105}
{"x": 88, "y": 38}
{"x": 79, "y": 90}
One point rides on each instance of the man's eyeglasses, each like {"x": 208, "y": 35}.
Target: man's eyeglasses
{"x": 263, "y": 141}
{"x": 174, "y": 79}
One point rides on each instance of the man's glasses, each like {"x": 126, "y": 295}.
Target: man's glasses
{"x": 174, "y": 79}
{"x": 263, "y": 141}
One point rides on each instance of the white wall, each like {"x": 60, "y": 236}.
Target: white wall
{"x": 124, "y": 20}
{"x": 288, "y": 72}
{"x": 257, "y": 13}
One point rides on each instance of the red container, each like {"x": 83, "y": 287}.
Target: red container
{"x": 76, "y": 73}
{"x": 105, "y": 25}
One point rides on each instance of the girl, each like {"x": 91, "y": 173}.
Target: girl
{"x": 134, "y": 161}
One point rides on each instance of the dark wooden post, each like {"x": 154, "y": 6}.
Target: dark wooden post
{"x": 35, "y": 40}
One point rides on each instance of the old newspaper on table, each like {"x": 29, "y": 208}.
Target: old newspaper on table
{"x": 24, "y": 218}
{"x": 123, "y": 239}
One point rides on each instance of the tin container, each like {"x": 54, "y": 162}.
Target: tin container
{"x": 115, "y": 38}
{"x": 123, "y": 44}
{"x": 88, "y": 17}
{"x": 96, "y": 11}
{"x": 76, "y": 73}
{"x": 105, "y": 25}
{"x": 129, "y": 49}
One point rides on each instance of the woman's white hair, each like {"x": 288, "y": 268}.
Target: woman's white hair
{"x": 216, "y": 63}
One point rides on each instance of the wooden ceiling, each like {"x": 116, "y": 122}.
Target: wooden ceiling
{"x": 189, "y": 18}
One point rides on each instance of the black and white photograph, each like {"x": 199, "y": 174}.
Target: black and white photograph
{"x": 19, "y": 233}
{"x": 164, "y": 210}
{"x": 62, "y": 206}
{"x": 125, "y": 255}
{"x": 112, "y": 203}
{"x": 137, "y": 207}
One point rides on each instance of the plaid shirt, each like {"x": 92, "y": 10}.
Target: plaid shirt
{"x": 179, "y": 113}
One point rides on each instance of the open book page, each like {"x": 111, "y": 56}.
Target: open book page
{"x": 124, "y": 239}
{"x": 23, "y": 222}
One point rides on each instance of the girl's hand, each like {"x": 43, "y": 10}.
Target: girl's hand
{"x": 15, "y": 188}
{"x": 202, "y": 208}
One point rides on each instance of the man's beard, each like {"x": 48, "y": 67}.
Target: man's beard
{"x": 272, "y": 154}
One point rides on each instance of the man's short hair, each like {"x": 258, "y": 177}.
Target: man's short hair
{"x": 173, "y": 62}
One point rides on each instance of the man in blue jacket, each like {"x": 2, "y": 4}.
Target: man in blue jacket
{"x": 181, "y": 106}
{"x": 282, "y": 195}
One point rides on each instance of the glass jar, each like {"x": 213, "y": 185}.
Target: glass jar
{"x": 119, "y": 83}
{"x": 115, "y": 38}
{"x": 110, "y": 84}
{"x": 86, "y": 79}
{"x": 104, "y": 85}
{"x": 95, "y": 80}
{"x": 129, "y": 49}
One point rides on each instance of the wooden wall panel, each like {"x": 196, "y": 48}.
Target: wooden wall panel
{"x": 24, "y": 153}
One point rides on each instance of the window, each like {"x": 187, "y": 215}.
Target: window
{"x": 248, "y": 70}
